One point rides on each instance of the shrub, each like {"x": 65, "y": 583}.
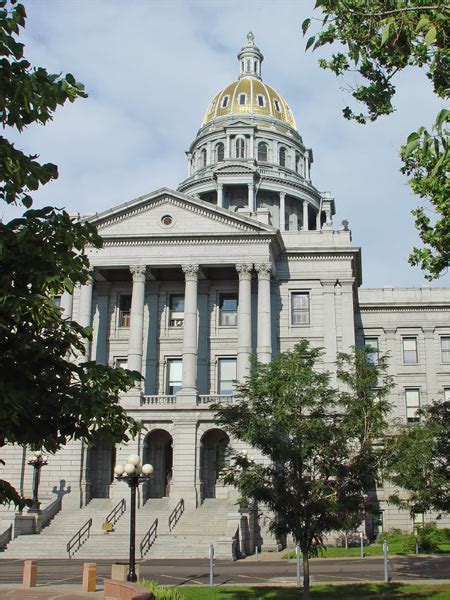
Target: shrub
{"x": 160, "y": 592}
{"x": 391, "y": 536}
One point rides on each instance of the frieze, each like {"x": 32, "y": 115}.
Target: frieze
{"x": 316, "y": 257}
{"x": 188, "y": 241}
{"x": 404, "y": 309}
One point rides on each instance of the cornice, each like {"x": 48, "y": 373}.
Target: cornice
{"x": 187, "y": 240}
{"x": 318, "y": 256}
{"x": 403, "y": 308}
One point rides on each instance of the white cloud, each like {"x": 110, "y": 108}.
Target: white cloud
{"x": 151, "y": 68}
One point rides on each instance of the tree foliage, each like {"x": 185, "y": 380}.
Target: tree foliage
{"x": 419, "y": 461}
{"x": 47, "y": 397}
{"x": 379, "y": 39}
{"x": 317, "y": 444}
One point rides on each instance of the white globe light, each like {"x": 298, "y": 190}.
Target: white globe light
{"x": 130, "y": 469}
{"x": 118, "y": 470}
{"x": 38, "y": 453}
{"x": 147, "y": 469}
{"x": 134, "y": 459}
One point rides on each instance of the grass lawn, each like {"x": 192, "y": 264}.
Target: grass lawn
{"x": 372, "y": 550}
{"x": 320, "y": 592}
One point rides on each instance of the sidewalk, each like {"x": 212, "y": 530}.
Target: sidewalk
{"x": 49, "y": 592}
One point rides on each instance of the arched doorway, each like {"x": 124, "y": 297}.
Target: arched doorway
{"x": 101, "y": 458}
{"x": 158, "y": 451}
{"x": 213, "y": 457}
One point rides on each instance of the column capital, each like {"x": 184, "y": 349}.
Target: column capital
{"x": 244, "y": 270}
{"x": 264, "y": 270}
{"x": 190, "y": 271}
{"x": 138, "y": 272}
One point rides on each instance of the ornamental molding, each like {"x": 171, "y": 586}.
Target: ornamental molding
{"x": 403, "y": 309}
{"x": 151, "y": 204}
{"x": 244, "y": 270}
{"x": 138, "y": 272}
{"x": 185, "y": 241}
{"x": 190, "y": 271}
{"x": 316, "y": 257}
{"x": 264, "y": 270}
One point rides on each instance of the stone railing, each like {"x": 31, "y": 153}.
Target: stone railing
{"x": 159, "y": 400}
{"x": 49, "y": 512}
{"x": 210, "y": 398}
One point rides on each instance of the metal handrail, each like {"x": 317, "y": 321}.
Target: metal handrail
{"x": 149, "y": 539}
{"x": 116, "y": 512}
{"x": 79, "y": 538}
{"x": 175, "y": 515}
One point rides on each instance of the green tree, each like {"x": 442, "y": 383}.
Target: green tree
{"x": 419, "y": 461}
{"x": 47, "y": 397}
{"x": 319, "y": 443}
{"x": 379, "y": 39}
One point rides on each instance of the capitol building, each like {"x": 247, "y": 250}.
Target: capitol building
{"x": 242, "y": 259}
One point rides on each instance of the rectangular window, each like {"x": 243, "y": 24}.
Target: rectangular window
{"x": 57, "y": 301}
{"x": 446, "y": 394}
{"x": 226, "y": 376}
{"x": 241, "y": 99}
{"x": 174, "y": 374}
{"x": 409, "y": 350}
{"x": 261, "y": 101}
{"x": 372, "y": 343}
{"x": 228, "y": 309}
{"x": 121, "y": 363}
{"x": 412, "y": 399}
{"x": 176, "y": 317}
{"x": 377, "y": 523}
{"x": 124, "y": 310}
{"x": 445, "y": 349}
{"x": 300, "y": 308}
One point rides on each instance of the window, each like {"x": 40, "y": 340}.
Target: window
{"x": 203, "y": 158}
{"x": 248, "y": 66}
{"x": 124, "y": 310}
{"x": 300, "y": 308}
{"x": 412, "y": 399}
{"x": 228, "y": 309}
{"x": 445, "y": 349}
{"x": 377, "y": 523}
{"x": 225, "y": 101}
{"x": 282, "y": 157}
{"x": 409, "y": 350}
{"x": 242, "y": 98}
{"x": 120, "y": 362}
{"x": 240, "y": 148}
{"x": 57, "y": 301}
{"x": 227, "y": 376}
{"x": 261, "y": 100}
{"x": 174, "y": 375}
{"x": 373, "y": 355}
{"x": 220, "y": 152}
{"x": 176, "y": 316}
{"x": 277, "y": 105}
{"x": 446, "y": 394}
{"x": 297, "y": 161}
{"x": 262, "y": 151}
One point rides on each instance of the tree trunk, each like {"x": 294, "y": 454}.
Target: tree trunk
{"x": 305, "y": 576}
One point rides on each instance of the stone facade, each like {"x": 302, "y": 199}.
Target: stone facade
{"x": 243, "y": 259}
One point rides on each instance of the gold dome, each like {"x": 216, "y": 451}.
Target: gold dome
{"x": 248, "y": 95}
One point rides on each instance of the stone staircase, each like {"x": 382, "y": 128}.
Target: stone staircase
{"x": 52, "y": 541}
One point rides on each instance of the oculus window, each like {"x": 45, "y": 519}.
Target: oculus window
{"x": 228, "y": 309}
{"x": 176, "y": 311}
{"x": 300, "y": 308}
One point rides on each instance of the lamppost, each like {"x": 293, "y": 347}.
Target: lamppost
{"x": 133, "y": 474}
{"x": 37, "y": 461}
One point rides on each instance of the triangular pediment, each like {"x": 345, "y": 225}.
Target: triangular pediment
{"x": 166, "y": 213}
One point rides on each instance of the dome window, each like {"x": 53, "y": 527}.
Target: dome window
{"x": 261, "y": 100}
{"x": 262, "y": 152}
{"x": 277, "y": 105}
{"x": 282, "y": 157}
{"x": 240, "y": 148}
{"x": 297, "y": 161}
{"x": 220, "y": 152}
{"x": 167, "y": 220}
{"x": 225, "y": 101}
{"x": 242, "y": 99}
{"x": 203, "y": 158}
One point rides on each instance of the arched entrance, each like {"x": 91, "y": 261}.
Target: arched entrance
{"x": 101, "y": 458}
{"x": 158, "y": 451}
{"x": 213, "y": 456}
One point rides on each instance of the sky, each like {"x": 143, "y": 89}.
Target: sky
{"x": 151, "y": 68}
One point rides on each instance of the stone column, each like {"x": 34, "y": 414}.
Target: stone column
{"x": 251, "y": 197}
{"x": 347, "y": 314}
{"x": 244, "y": 320}
{"x": 305, "y": 216}
{"x": 99, "y": 351}
{"x": 228, "y": 147}
{"x": 85, "y": 311}
{"x": 329, "y": 323}
{"x": 264, "y": 329}
{"x": 189, "y": 377}
{"x": 220, "y": 195}
{"x": 318, "y": 218}
{"x": 282, "y": 211}
{"x": 67, "y": 305}
{"x": 136, "y": 339}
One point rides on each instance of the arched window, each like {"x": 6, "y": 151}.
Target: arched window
{"x": 297, "y": 161}
{"x": 240, "y": 148}
{"x": 248, "y": 66}
{"x": 262, "y": 151}
{"x": 282, "y": 156}
{"x": 203, "y": 158}
{"x": 220, "y": 152}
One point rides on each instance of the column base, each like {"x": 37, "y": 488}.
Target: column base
{"x": 187, "y": 397}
